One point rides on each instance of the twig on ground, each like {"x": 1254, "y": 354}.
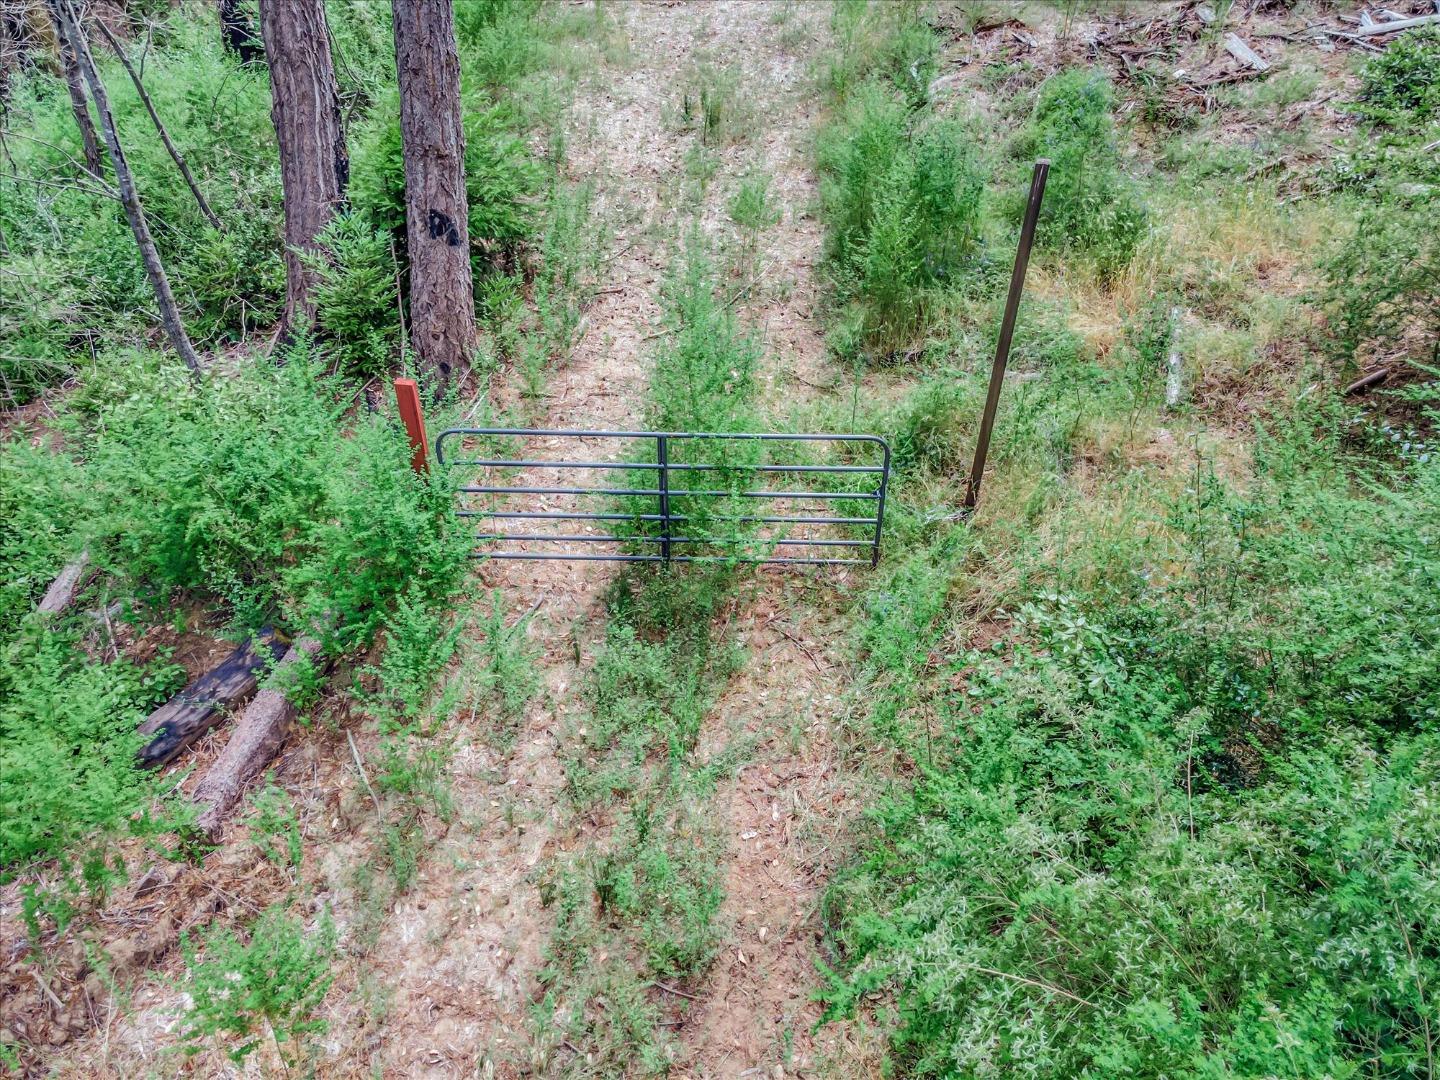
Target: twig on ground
{"x": 355, "y": 753}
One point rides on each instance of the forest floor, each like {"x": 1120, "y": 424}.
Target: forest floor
{"x": 449, "y": 985}
{"x": 455, "y": 955}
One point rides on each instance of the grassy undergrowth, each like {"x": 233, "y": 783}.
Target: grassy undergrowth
{"x": 1154, "y": 732}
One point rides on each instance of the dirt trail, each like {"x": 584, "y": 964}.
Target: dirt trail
{"x": 462, "y": 950}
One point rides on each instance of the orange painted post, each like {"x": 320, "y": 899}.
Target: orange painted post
{"x": 407, "y": 396}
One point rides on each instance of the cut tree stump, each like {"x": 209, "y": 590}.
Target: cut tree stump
{"x": 258, "y": 735}
{"x": 198, "y": 708}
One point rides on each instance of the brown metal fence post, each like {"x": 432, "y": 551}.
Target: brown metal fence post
{"x": 1007, "y": 331}
{"x": 407, "y": 397}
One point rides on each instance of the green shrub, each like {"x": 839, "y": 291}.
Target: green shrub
{"x": 1090, "y": 205}
{"x": 68, "y": 771}
{"x": 249, "y": 489}
{"x": 902, "y": 205}
{"x": 936, "y": 427}
{"x": 34, "y": 543}
{"x": 886, "y": 42}
{"x": 1172, "y": 825}
{"x": 275, "y": 827}
{"x": 502, "y": 178}
{"x": 275, "y": 982}
{"x": 38, "y": 320}
{"x": 66, "y": 231}
{"x": 500, "y": 43}
{"x": 1381, "y": 271}
{"x": 231, "y": 283}
{"x": 1401, "y": 86}
{"x": 356, "y": 296}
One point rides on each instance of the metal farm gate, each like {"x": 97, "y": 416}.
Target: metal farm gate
{"x": 680, "y": 497}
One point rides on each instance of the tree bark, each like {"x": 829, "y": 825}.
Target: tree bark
{"x": 159, "y": 126}
{"x": 75, "y": 83}
{"x": 258, "y": 735}
{"x": 197, "y": 708}
{"x": 129, "y": 196}
{"x": 442, "y": 304}
{"x": 314, "y": 168}
{"x": 238, "y": 34}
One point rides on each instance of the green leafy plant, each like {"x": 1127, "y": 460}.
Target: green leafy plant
{"x": 1379, "y": 274}
{"x": 272, "y": 981}
{"x": 1228, "y": 700}
{"x": 275, "y": 827}
{"x": 356, "y": 295}
{"x": 1401, "y": 86}
{"x": 1090, "y": 205}
{"x": 902, "y": 203}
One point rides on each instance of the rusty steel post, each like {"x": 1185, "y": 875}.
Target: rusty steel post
{"x": 407, "y": 397}
{"x": 1007, "y": 331}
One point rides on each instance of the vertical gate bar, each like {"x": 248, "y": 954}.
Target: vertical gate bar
{"x": 662, "y": 458}
{"x": 407, "y": 397}
{"x": 880, "y": 509}
{"x": 1007, "y": 331}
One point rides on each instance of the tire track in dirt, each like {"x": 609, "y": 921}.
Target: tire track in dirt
{"x": 785, "y": 810}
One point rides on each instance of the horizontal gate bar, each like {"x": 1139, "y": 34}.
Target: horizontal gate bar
{"x": 678, "y": 493}
{"x": 565, "y": 515}
{"x": 539, "y": 556}
{"x": 594, "y": 539}
{"x": 655, "y": 466}
{"x": 764, "y": 436}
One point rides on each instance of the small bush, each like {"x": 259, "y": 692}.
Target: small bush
{"x": 68, "y": 770}
{"x": 886, "y": 42}
{"x": 936, "y": 427}
{"x": 356, "y": 296}
{"x": 502, "y": 178}
{"x": 1381, "y": 272}
{"x": 275, "y": 981}
{"x": 1401, "y": 86}
{"x": 1090, "y": 206}
{"x": 248, "y": 489}
{"x": 902, "y": 206}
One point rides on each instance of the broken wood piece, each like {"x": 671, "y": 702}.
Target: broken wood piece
{"x": 1246, "y": 55}
{"x": 259, "y": 733}
{"x": 1174, "y": 372}
{"x": 1373, "y": 378}
{"x": 62, "y": 590}
{"x": 1393, "y": 27}
{"x": 198, "y": 708}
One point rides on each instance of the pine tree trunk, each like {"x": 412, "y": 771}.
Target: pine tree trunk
{"x": 74, "y": 82}
{"x": 129, "y": 197}
{"x": 442, "y": 305}
{"x": 305, "y": 106}
{"x": 238, "y": 34}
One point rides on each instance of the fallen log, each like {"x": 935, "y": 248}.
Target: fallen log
{"x": 259, "y": 733}
{"x": 1373, "y": 378}
{"x": 63, "y": 589}
{"x": 198, "y": 708}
